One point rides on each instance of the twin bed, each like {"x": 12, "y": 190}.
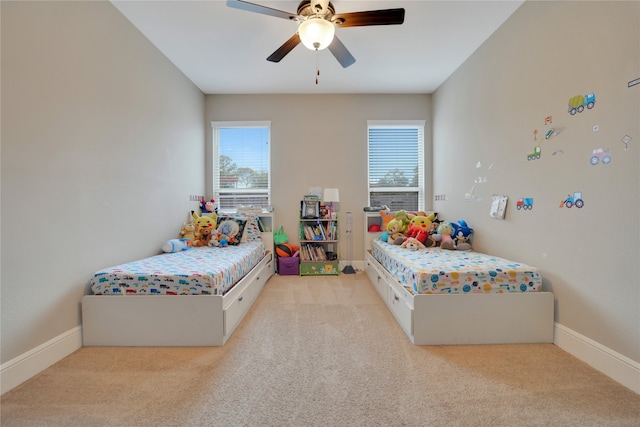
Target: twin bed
{"x": 199, "y": 296}
{"x": 195, "y": 297}
{"x": 441, "y": 296}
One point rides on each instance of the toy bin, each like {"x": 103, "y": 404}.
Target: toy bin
{"x": 288, "y": 266}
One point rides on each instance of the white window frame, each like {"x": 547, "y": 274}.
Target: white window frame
{"x": 217, "y": 190}
{"x": 419, "y": 125}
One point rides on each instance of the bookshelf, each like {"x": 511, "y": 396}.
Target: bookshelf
{"x": 319, "y": 247}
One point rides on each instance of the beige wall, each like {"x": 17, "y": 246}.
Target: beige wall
{"x": 320, "y": 141}
{"x": 546, "y": 53}
{"x": 102, "y": 142}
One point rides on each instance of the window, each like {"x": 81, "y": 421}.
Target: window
{"x": 241, "y": 164}
{"x": 396, "y": 164}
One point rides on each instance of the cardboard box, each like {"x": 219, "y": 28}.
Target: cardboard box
{"x": 288, "y": 266}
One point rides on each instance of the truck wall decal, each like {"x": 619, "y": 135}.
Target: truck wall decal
{"x": 578, "y": 102}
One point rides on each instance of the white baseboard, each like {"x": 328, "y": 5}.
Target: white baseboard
{"x": 616, "y": 366}
{"x": 27, "y": 365}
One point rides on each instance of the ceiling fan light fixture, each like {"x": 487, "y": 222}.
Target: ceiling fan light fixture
{"x": 316, "y": 33}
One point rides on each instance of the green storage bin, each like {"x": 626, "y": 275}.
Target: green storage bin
{"x": 319, "y": 268}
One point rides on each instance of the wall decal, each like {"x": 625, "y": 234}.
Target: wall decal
{"x": 557, "y": 152}
{"x": 625, "y": 140}
{"x": 537, "y": 152}
{"x": 600, "y": 155}
{"x": 548, "y": 120}
{"x": 553, "y": 132}
{"x": 633, "y": 82}
{"x": 573, "y": 200}
{"x": 578, "y": 102}
{"x": 525, "y": 203}
{"x": 596, "y": 128}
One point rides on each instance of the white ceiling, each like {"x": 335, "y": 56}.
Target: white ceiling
{"x": 223, "y": 50}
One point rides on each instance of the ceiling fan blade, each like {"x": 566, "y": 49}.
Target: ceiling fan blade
{"x": 285, "y": 49}
{"x": 341, "y": 53}
{"x": 252, "y": 7}
{"x": 372, "y": 17}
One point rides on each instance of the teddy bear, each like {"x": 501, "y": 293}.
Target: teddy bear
{"x": 188, "y": 231}
{"x": 206, "y": 234}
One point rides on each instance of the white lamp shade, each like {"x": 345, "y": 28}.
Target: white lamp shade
{"x": 331, "y": 195}
{"x": 316, "y": 33}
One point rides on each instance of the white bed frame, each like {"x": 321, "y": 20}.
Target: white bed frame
{"x": 167, "y": 320}
{"x": 447, "y": 319}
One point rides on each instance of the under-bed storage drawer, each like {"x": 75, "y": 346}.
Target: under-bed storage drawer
{"x": 234, "y": 313}
{"x": 376, "y": 278}
{"x": 261, "y": 278}
{"x": 401, "y": 310}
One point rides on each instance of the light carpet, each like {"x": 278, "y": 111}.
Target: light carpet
{"x": 321, "y": 351}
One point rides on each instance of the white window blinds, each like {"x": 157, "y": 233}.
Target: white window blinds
{"x": 396, "y": 164}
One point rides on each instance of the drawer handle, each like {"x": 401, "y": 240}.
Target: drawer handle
{"x": 240, "y": 299}
{"x": 395, "y": 297}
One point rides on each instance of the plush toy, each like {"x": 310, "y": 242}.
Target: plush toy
{"x": 203, "y": 221}
{"x": 206, "y": 234}
{"x": 387, "y": 216}
{"x": 221, "y": 240}
{"x": 412, "y": 244}
{"x": 176, "y": 245}
{"x": 444, "y": 236}
{"x": 462, "y": 235}
{"x": 419, "y": 228}
{"x": 461, "y": 242}
{"x": 434, "y": 226}
{"x": 395, "y": 230}
{"x": 403, "y": 217}
{"x": 208, "y": 206}
{"x": 188, "y": 231}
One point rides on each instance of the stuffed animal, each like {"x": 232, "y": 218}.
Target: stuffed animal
{"x": 461, "y": 242}
{"x": 412, "y": 244}
{"x": 176, "y": 245}
{"x": 403, "y": 217}
{"x": 188, "y": 231}
{"x": 386, "y": 217}
{"x": 206, "y": 234}
{"x": 395, "y": 230}
{"x": 445, "y": 232}
{"x": 419, "y": 228}
{"x": 208, "y": 206}
{"x": 203, "y": 221}
{"x": 462, "y": 235}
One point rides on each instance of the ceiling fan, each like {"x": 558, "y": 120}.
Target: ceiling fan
{"x": 317, "y": 21}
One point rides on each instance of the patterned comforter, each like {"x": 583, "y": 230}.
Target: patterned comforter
{"x": 438, "y": 271}
{"x": 197, "y": 271}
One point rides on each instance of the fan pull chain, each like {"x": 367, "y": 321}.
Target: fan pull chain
{"x": 317, "y": 65}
